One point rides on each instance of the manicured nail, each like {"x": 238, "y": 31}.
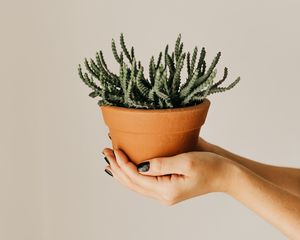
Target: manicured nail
{"x": 143, "y": 167}
{"x": 109, "y": 136}
{"x": 105, "y": 158}
{"x": 108, "y": 172}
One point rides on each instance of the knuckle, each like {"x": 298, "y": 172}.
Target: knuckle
{"x": 156, "y": 165}
{"x": 126, "y": 164}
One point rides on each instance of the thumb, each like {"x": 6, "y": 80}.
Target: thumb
{"x": 164, "y": 165}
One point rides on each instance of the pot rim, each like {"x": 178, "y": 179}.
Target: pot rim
{"x": 159, "y": 110}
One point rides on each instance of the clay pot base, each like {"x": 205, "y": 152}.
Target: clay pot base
{"x": 148, "y": 133}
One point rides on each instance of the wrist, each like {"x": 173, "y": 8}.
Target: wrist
{"x": 228, "y": 175}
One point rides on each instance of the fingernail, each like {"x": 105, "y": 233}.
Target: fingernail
{"x": 143, "y": 167}
{"x": 109, "y": 136}
{"x": 105, "y": 158}
{"x": 108, "y": 172}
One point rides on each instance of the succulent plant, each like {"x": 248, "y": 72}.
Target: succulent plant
{"x": 163, "y": 89}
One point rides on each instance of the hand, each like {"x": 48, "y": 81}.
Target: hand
{"x": 170, "y": 179}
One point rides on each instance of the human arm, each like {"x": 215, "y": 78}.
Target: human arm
{"x": 174, "y": 179}
{"x": 276, "y": 205}
{"x": 284, "y": 177}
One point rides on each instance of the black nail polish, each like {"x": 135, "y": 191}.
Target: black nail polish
{"x": 143, "y": 167}
{"x": 105, "y": 158}
{"x": 109, "y": 136}
{"x": 108, "y": 172}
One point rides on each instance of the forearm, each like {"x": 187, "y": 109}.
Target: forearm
{"x": 277, "y": 206}
{"x": 284, "y": 177}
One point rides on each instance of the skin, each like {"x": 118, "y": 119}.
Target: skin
{"x": 285, "y": 177}
{"x": 272, "y": 192}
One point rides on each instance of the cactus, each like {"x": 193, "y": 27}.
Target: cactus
{"x": 163, "y": 89}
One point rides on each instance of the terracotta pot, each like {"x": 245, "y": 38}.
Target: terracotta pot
{"x": 147, "y": 133}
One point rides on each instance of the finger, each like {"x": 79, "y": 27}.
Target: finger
{"x": 126, "y": 181}
{"x": 109, "y": 172}
{"x": 152, "y": 186}
{"x": 115, "y": 169}
{"x": 130, "y": 169}
{"x": 178, "y": 164}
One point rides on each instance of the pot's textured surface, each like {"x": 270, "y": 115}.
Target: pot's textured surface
{"x": 147, "y": 133}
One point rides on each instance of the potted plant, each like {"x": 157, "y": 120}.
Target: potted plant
{"x": 159, "y": 115}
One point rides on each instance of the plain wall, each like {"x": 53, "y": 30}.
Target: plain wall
{"x": 52, "y": 183}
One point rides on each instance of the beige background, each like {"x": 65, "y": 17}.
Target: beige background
{"x": 52, "y": 184}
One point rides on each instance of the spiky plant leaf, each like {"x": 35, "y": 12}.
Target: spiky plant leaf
{"x": 194, "y": 59}
{"x": 193, "y": 79}
{"x": 223, "y": 89}
{"x": 141, "y": 84}
{"x": 124, "y": 48}
{"x": 223, "y": 78}
{"x": 179, "y": 52}
{"x": 131, "y": 81}
{"x": 101, "y": 58}
{"x": 188, "y": 64}
{"x": 94, "y": 67}
{"x": 152, "y": 71}
{"x": 115, "y": 52}
{"x": 99, "y": 66}
{"x": 90, "y": 70}
{"x": 85, "y": 78}
{"x": 158, "y": 61}
{"x": 201, "y": 59}
{"x": 172, "y": 69}
{"x": 176, "y": 80}
{"x": 166, "y": 53}
{"x": 94, "y": 94}
{"x": 196, "y": 82}
{"x": 177, "y": 47}
{"x": 132, "y": 52}
{"x": 162, "y": 90}
{"x": 205, "y": 85}
{"x": 123, "y": 77}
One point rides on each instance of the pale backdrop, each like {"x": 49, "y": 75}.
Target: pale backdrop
{"x": 52, "y": 182}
